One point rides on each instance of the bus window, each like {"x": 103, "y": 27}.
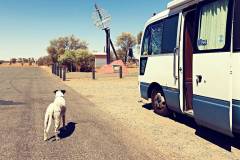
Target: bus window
{"x": 145, "y": 45}
{"x": 169, "y": 34}
{"x": 156, "y": 38}
{"x": 212, "y": 25}
{"x": 236, "y": 27}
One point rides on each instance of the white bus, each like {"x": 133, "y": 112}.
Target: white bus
{"x": 190, "y": 62}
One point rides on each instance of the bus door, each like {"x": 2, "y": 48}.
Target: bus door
{"x": 185, "y": 69}
{"x": 211, "y": 67}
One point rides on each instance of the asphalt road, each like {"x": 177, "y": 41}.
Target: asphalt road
{"x": 24, "y": 95}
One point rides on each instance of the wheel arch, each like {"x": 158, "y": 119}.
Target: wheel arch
{"x": 152, "y": 86}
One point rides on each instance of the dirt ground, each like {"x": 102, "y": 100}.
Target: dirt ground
{"x": 180, "y": 137}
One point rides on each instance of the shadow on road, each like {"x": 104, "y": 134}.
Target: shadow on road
{"x": 216, "y": 138}
{"x": 147, "y": 106}
{"x": 64, "y": 133}
{"x": 3, "y": 102}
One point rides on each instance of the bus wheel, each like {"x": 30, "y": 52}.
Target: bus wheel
{"x": 158, "y": 103}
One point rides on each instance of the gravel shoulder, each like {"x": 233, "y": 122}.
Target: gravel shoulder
{"x": 178, "y": 138}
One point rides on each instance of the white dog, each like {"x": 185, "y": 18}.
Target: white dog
{"x": 55, "y": 111}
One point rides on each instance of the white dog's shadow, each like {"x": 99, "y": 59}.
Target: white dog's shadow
{"x": 64, "y": 133}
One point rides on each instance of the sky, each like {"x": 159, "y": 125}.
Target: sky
{"x": 27, "y": 26}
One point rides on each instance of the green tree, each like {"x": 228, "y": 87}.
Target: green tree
{"x": 85, "y": 60}
{"x": 13, "y": 60}
{"x": 121, "y": 54}
{"x": 45, "y": 60}
{"x": 58, "y": 46}
{"x": 19, "y": 60}
{"x": 81, "y": 58}
{"x": 125, "y": 41}
{"x": 25, "y": 60}
{"x": 31, "y": 61}
{"x": 68, "y": 58}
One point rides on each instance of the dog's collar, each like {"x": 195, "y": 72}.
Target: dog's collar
{"x": 60, "y": 96}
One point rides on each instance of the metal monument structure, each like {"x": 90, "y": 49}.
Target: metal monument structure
{"x": 102, "y": 21}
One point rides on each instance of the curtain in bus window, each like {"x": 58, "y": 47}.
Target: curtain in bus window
{"x": 212, "y": 26}
{"x": 156, "y": 38}
{"x": 146, "y": 38}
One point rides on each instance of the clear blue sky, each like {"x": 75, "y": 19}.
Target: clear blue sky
{"x": 27, "y": 26}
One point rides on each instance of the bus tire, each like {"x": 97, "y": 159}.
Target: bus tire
{"x": 159, "y": 103}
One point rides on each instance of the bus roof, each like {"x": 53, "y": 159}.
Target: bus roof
{"x": 173, "y": 7}
{"x": 158, "y": 16}
{"x": 178, "y": 3}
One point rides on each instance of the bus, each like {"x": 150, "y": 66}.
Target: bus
{"x": 190, "y": 62}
